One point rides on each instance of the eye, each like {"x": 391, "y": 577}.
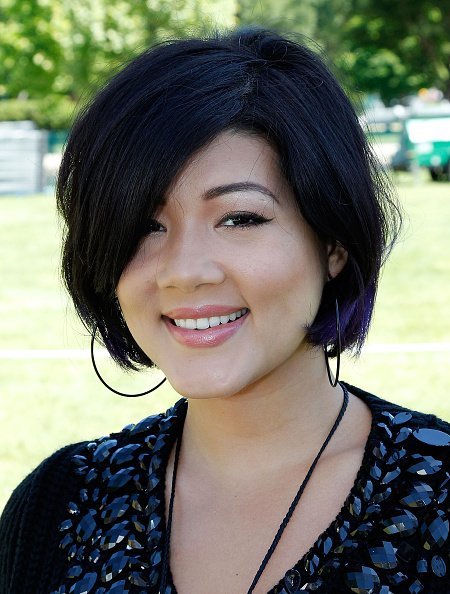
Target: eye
{"x": 243, "y": 219}
{"x": 153, "y": 226}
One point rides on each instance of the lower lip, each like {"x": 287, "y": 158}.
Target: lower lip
{"x": 205, "y": 338}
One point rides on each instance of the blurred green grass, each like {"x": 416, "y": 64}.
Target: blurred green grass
{"x": 45, "y": 404}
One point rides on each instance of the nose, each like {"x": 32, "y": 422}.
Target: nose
{"x": 188, "y": 262}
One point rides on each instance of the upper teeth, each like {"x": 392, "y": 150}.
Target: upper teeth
{"x": 203, "y": 323}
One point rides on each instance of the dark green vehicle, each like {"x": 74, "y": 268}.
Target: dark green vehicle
{"x": 425, "y": 142}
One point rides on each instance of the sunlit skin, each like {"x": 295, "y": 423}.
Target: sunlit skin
{"x": 210, "y": 250}
{"x": 260, "y": 404}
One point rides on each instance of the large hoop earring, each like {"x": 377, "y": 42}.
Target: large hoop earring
{"x": 107, "y": 385}
{"x": 335, "y": 382}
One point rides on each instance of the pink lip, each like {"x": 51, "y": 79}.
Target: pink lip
{"x": 201, "y": 311}
{"x": 204, "y": 338}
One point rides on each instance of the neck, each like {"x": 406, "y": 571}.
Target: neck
{"x": 262, "y": 429}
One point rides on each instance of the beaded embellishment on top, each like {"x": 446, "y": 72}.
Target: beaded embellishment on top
{"x": 388, "y": 537}
{"x": 112, "y": 537}
{"x": 391, "y": 536}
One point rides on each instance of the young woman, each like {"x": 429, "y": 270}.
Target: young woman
{"x": 226, "y": 222}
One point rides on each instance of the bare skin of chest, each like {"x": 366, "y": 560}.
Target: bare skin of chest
{"x": 221, "y": 535}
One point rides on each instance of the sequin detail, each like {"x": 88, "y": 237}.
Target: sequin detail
{"x": 391, "y": 536}
{"x": 112, "y": 538}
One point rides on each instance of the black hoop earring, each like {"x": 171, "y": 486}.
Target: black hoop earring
{"x": 335, "y": 382}
{"x": 107, "y": 385}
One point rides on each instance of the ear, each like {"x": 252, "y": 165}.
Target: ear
{"x": 337, "y": 257}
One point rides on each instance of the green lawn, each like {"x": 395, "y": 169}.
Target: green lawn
{"x": 47, "y": 403}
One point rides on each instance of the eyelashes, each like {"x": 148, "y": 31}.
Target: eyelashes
{"x": 153, "y": 226}
{"x": 243, "y": 219}
{"x": 233, "y": 220}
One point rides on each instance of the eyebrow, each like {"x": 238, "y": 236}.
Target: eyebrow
{"x": 238, "y": 187}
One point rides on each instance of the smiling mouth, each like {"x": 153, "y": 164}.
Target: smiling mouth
{"x": 211, "y": 322}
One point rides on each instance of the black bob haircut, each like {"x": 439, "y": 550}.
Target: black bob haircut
{"x": 129, "y": 144}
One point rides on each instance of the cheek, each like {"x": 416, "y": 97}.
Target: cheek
{"x": 125, "y": 291}
{"x": 137, "y": 279}
{"x": 133, "y": 293}
{"x": 286, "y": 287}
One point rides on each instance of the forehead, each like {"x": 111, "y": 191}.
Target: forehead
{"x": 232, "y": 157}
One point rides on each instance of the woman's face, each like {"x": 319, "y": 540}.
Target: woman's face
{"x": 223, "y": 287}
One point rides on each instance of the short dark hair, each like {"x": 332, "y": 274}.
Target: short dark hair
{"x": 128, "y": 145}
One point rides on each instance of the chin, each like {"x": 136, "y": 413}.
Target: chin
{"x": 204, "y": 389}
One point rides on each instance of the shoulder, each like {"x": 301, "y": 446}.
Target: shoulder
{"x": 398, "y": 415}
{"x": 370, "y": 416}
{"x": 398, "y": 512}
{"x": 52, "y": 516}
{"x": 412, "y": 450}
{"x": 116, "y": 519}
{"x": 35, "y": 506}
{"x": 414, "y": 444}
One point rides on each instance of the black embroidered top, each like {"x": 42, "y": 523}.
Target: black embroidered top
{"x": 90, "y": 519}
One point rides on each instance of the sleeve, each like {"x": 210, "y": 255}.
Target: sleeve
{"x": 29, "y": 534}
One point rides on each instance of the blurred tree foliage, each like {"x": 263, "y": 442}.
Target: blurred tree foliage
{"x": 66, "y": 47}
{"x": 396, "y": 48}
{"x": 65, "y": 50}
{"x": 282, "y": 15}
{"x": 52, "y": 112}
{"x": 380, "y": 46}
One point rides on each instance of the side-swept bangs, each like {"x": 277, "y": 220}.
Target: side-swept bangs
{"x": 129, "y": 144}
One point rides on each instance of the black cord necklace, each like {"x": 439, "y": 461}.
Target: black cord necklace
{"x": 284, "y": 523}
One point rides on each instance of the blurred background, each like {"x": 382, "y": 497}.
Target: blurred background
{"x": 393, "y": 59}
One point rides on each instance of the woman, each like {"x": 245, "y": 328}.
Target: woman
{"x": 227, "y": 223}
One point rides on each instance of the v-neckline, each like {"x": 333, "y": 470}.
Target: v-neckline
{"x": 343, "y": 518}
